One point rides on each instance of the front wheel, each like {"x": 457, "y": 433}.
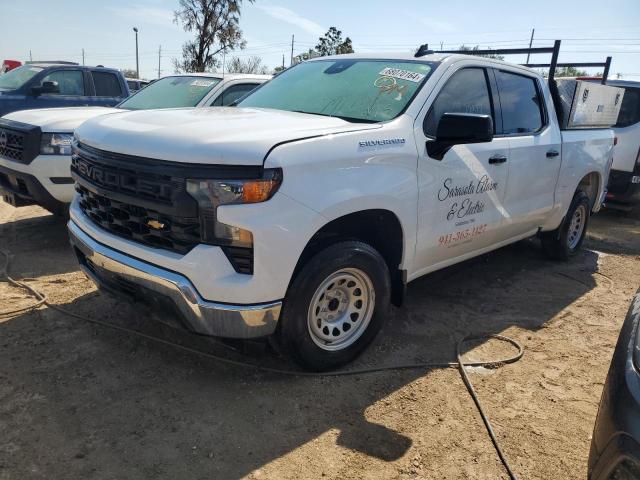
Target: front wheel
{"x": 566, "y": 240}
{"x": 335, "y": 306}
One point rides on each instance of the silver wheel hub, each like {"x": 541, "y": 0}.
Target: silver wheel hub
{"x": 341, "y": 309}
{"x": 576, "y": 227}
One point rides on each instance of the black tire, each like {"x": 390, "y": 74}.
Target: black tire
{"x": 556, "y": 243}
{"x": 294, "y": 331}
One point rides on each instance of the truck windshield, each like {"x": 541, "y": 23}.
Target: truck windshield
{"x": 171, "y": 92}
{"x": 17, "y": 77}
{"x": 352, "y": 89}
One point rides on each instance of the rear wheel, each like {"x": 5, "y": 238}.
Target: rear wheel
{"x": 566, "y": 240}
{"x": 335, "y": 306}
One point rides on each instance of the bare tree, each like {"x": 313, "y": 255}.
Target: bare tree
{"x": 250, "y": 65}
{"x": 216, "y": 26}
{"x": 129, "y": 73}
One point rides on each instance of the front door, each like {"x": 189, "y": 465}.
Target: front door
{"x": 460, "y": 206}
{"x": 71, "y": 86}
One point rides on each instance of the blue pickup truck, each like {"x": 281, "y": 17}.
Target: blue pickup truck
{"x": 47, "y": 85}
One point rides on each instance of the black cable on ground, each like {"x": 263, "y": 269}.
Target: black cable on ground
{"x": 41, "y": 299}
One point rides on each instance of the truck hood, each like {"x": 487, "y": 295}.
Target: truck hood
{"x": 220, "y": 135}
{"x": 59, "y": 120}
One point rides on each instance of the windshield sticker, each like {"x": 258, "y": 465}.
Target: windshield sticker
{"x": 202, "y": 83}
{"x": 402, "y": 74}
{"x": 388, "y": 85}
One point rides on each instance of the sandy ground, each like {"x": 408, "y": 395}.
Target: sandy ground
{"x": 82, "y": 401}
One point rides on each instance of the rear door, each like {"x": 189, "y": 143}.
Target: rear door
{"x": 460, "y": 207}
{"x": 108, "y": 89}
{"x": 535, "y": 151}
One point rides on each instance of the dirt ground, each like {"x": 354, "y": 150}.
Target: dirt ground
{"x": 81, "y": 401}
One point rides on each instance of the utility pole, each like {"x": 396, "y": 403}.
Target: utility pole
{"x": 440, "y": 46}
{"x": 292, "y": 40}
{"x": 283, "y": 61}
{"x": 83, "y": 57}
{"x": 135, "y": 29}
{"x": 30, "y": 57}
{"x": 159, "y": 56}
{"x": 531, "y": 42}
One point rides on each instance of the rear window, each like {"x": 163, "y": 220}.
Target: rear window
{"x": 107, "y": 84}
{"x": 521, "y": 103}
{"x": 630, "y": 108}
{"x": 171, "y": 92}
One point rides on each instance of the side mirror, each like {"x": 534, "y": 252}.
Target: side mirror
{"x": 46, "y": 87}
{"x": 459, "y": 128}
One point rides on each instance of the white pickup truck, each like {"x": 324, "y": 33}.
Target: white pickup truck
{"x": 304, "y": 216}
{"x": 35, "y": 145}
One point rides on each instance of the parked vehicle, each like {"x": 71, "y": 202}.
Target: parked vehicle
{"x": 304, "y": 216}
{"x": 35, "y": 161}
{"x": 136, "y": 84}
{"x": 48, "y": 85}
{"x": 624, "y": 180}
{"x": 615, "y": 447}
{"x": 9, "y": 65}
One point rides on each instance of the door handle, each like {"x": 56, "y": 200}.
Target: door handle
{"x": 552, "y": 153}
{"x": 497, "y": 159}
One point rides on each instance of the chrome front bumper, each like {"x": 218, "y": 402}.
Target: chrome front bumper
{"x": 118, "y": 272}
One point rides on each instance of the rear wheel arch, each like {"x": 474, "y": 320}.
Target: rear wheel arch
{"x": 591, "y": 184}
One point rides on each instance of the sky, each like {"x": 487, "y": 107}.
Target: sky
{"x": 589, "y": 29}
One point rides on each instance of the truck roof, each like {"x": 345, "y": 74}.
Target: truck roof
{"x": 432, "y": 57}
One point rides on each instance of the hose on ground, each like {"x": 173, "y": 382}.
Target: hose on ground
{"x": 460, "y": 364}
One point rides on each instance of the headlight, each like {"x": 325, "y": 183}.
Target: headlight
{"x": 56, "y": 143}
{"x": 210, "y": 194}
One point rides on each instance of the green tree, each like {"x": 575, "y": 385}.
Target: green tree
{"x": 470, "y": 50}
{"x": 216, "y": 24}
{"x": 332, "y": 43}
{"x": 571, "y": 72}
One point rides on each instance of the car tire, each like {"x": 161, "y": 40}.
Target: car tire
{"x": 335, "y": 306}
{"x": 565, "y": 241}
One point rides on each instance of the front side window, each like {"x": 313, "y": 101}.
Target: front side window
{"x": 521, "y": 103}
{"x": 232, "y": 94}
{"x": 465, "y": 92}
{"x": 107, "y": 84}
{"x": 630, "y": 108}
{"x": 352, "y": 89}
{"x": 18, "y": 77}
{"x": 70, "y": 82}
{"x": 171, "y": 92}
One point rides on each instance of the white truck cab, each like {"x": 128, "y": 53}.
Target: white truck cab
{"x": 304, "y": 216}
{"x": 35, "y": 145}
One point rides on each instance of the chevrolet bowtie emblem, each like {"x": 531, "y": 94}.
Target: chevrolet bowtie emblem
{"x": 155, "y": 224}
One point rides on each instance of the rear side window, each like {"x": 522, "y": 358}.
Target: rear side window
{"x": 232, "y": 94}
{"x": 521, "y": 103}
{"x": 465, "y": 92}
{"x": 70, "y": 82}
{"x": 107, "y": 84}
{"x": 630, "y": 108}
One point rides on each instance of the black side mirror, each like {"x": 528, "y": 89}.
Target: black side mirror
{"x": 46, "y": 87}
{"x": 459, "y": 128}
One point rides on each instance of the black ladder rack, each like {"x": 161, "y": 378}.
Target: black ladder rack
{"x": 554, "y": 51}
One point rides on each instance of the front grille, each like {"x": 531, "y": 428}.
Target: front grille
{"x": 19, "y": 142}
{"x": 11, "y": 144}
{"x": 143, "y": 225}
